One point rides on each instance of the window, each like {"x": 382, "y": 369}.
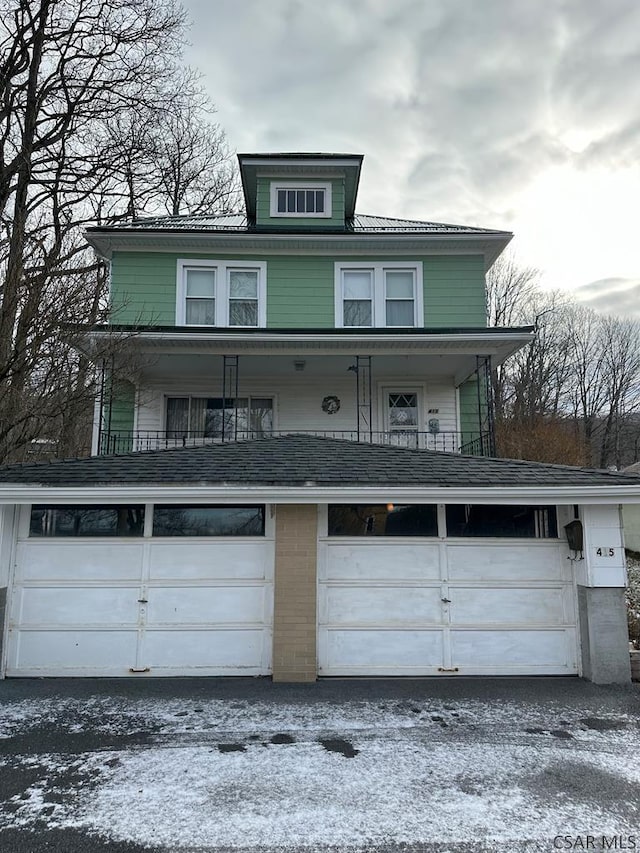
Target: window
{"x": 300, "y": 199}
{"x": 86, "y": 520}
{"x": 181, "y": 520}
{"x": 209, "y": 417}
{"x": 381, "y": 295}
{"x": 382, "y": 520}
{"x": 530, "y": 522}
{"x": 221, "y": 293}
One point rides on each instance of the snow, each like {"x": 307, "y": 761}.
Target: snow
{"x": 427, "y": 772}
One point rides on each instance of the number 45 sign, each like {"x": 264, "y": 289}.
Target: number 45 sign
{"x": 605, "y": 552}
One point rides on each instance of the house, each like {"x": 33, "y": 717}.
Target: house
{"x": 299, "y": 476}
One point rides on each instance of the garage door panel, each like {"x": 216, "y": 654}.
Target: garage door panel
{"x": 509, "y": 606}
{"x": 206, "y": 605}
{"x": 383, "y": 605}
{"x": 224, "y": 649}
{"x": 498, "y": 562}
{"x": 180, "y": 560}
{"x": 78, "y": 561}
{"x": 66, "y": 606}
{"x": 391, "y": 651}
{"x": 511, "y": 649}
{"x": 382, "y": 561}
{"x": 96, "y": 651}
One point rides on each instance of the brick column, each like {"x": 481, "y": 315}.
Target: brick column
{"x": 294, "y": 611}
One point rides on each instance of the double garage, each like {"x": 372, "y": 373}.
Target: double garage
{"x": 297, "y": 556}
{"x": 189, "y": 590}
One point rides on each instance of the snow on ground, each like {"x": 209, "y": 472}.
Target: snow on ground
{"x": 235, "y": 774}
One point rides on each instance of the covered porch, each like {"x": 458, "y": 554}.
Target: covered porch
{"x": 421, "y": 389}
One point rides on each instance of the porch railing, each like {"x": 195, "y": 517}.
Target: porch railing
{"x": 468, "y": 443}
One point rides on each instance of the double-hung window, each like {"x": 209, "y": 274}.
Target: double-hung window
{"x": 221, "y": 293}
{"x": 380, "y": 295}
{"x": 309, "y": 199}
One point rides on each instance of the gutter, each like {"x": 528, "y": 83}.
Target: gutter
{"x": 312, "y": 494}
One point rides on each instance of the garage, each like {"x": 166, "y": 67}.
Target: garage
{"x": 300, "y": 556}
{"x": 141, "y": 589}
{"x": 429, "y": 590}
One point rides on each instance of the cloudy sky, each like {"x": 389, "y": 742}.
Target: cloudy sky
{"x": 514, "y": 114}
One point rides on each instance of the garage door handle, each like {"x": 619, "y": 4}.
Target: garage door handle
{"x": 446, "y": 600}
{"x": 143, "y": 601}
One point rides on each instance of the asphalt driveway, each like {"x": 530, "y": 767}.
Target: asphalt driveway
{"x": 354, "y": 765}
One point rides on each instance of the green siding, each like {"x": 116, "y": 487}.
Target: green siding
{"x": 263, "y": 207}
{"x": 469, "y": 421}
{"x": 143, "y": 288}
{"x": 119, "y": 418}
{"x": 454, "y": 290}
{"x": 300, "y": 289}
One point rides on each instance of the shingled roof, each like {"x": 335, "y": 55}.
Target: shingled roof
{"x": 303, "y": 460}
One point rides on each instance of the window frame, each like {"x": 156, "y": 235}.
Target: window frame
{"x": 275, "y": 186}
{"x": 379, "y": 300}
{"x": 221, "y": 295}
{"x": 231, "y": 536}
{"x": 203, "y": 396}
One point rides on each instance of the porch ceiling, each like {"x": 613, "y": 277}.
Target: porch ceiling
{"x": 181, "y": 352}
{"x": 157, "y": 367}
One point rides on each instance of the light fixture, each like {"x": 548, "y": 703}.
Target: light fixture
{"x": 389, "y": 507}
{"x": 299, "y": 366}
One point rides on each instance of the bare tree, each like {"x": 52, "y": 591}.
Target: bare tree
{"x": 75, "y": 76}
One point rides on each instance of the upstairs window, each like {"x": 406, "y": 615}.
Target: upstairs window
{"x": 221, "y": 293}
{"x": 378, "y": 295}
{"x": 306, "y": 199}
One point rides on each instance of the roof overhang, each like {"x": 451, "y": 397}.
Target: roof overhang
{"x": 498, "y": 344}
{"x": 311, "y": 494}
{"x": 107, "y": 240}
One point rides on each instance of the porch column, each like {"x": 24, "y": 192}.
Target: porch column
{"x": 602, "y": 611}
{"x": 294, "y": 611}
{"x": 230, "y": 391}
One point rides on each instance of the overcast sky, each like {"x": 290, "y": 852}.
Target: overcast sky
{"x": 522, "y": 115}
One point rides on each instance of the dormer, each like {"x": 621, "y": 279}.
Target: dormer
{"x": 300, "y": 192}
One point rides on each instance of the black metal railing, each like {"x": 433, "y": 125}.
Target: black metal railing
{"x": 468, "y": 443}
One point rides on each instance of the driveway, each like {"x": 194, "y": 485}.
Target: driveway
{"x": 344, "y": 765}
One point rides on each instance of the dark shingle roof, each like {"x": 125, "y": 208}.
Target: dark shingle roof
{"x": 237, "y": 222}
{"x": 302, "y": 460}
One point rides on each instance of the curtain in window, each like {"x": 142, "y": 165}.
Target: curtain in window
{"x": 243, "y": 297}
{"x": 200, "y": 297}
{"x": 357, "y": 287}
{"x": 177, "y": 417}
{"x": 399, "y": 298}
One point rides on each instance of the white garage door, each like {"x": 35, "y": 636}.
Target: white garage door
{"x": 112, "y": 607}
{"x": 416, "y": 608}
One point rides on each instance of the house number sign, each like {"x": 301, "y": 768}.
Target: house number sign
{"x": 605, "y": 552}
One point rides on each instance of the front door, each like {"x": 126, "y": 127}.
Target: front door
{"x": 402, "y": 418}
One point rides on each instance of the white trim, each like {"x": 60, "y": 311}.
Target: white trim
{"x": 301, "y": 184}
{"x": 311, "y": 494}
{"x": 378, "y": 308}
{"x": 222, "y": 270}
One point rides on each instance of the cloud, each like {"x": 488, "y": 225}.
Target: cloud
{"x": 612, "y": 296}
{"x": 478, "y": 113}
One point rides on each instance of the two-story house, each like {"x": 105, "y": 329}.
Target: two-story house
{"x": 293, "y": 470}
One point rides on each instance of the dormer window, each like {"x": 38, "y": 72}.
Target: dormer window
{"x": 305, "y": 199}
